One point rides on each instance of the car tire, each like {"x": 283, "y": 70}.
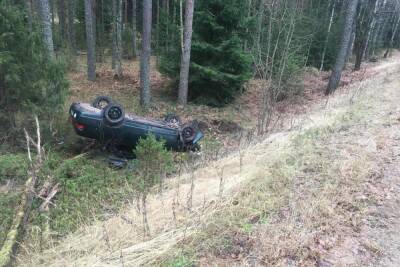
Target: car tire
{"x": 114, "y": 115}
{"x": 196, "y": 148}
{"x": 173, "y": 119}
{"x": 188, "y": 133}
{"x": 101, "y": 102}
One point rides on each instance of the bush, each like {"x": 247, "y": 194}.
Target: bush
{"x": 219, "y": 67}
{"x": 28, "y": 78}
{"x": 153, "y": 162}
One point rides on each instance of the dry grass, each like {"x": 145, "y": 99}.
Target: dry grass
{"x": 307, "y": 207}
{"x": 292, "y": 200}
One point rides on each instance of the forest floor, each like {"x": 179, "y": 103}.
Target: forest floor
{"x": 323, "y": 189}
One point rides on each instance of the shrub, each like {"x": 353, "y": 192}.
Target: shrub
{"x": 153, "y": 162}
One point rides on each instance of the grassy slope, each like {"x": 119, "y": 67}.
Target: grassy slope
{"x": 299, "y": 196}
{"x": 311, "y": 199}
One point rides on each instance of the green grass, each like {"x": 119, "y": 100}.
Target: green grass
{"x": 89, "y": 189}
{"x": 13, "y": 167}
{"x": 7, "y": 204}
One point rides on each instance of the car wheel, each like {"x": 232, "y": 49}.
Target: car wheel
{"x": 196, "y": 148}
{"x": 101, "y": 102}
{"x": 114, "y": 115}
{"x": 173, "y": 119}
{"x": 188, "y": 134}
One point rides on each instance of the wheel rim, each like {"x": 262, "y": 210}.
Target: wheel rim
{"x": 103, "y": 103}
{"x": 114, "y": 113}
{"x": 188, "y": 133}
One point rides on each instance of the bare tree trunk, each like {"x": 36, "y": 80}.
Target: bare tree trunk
{"x": 46, "y": 26}
{"x": 371, "y": 29}
{"x": 341, "y": 57}
{"x": 99, "y": 26}
{"x": 90, "y": 41}
{"x": 381, "y": 24}
{"x": 245, "y": 45}
{"x": 327, "y": 35}
{"x": 158, "y": 30}
{"x": 114, "y": 35}
{"x": 134, "y": 29}
{"x": 185, "y": 59}
{"x": 30, "y": 16}
{"x": 71, "y": 25}
{"x": 349, "y": 52}
{"x": 181, "y": 22}
{"x": 118, "y": 66}
{"x": 259, "y": 25}
{"x": 51, "y": 11}
{"x": 145, "y": 93}
{"x": 361, "y": 40}
{"x": 125, "y": 11}
{"x": 396, "y": 25}
{"x": 61, "y": 17}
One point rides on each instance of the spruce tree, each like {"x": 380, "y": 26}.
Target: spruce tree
{"x": 219, "y": 67}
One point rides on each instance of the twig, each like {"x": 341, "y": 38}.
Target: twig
{"x": 45, "y": 205}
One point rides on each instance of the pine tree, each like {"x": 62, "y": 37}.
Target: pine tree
{"x": 134, "y": 45}
{"x": 185, "y": 62}
{"x": 346, "y": 38}
{"x": 145, "y": 94}
{"x": 71, "y": 25}
{"x": 61, "y": 17}
{"x": 90, "y": 40}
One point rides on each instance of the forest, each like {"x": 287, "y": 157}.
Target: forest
{"x": 247, "y": 71}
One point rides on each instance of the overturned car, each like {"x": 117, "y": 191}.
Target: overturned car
{"x": 106, "y": 121}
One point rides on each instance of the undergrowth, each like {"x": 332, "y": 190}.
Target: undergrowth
{"x": 89, "y": 189}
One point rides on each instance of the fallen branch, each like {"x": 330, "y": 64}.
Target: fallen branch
{"x": 45, "y": 205}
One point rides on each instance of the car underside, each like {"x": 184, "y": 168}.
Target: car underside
{"x": 106, "y": 121}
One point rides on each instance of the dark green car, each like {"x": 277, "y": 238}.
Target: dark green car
{"x": 107, "y": 122}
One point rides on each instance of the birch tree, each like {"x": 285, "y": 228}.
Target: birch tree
{"x": 46, "y": 26}
{"x": 145, "y": 93}
{"x": 90, "y": 40}
{"x": 341, "y": 57}
{"x": 185, "y": 59}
